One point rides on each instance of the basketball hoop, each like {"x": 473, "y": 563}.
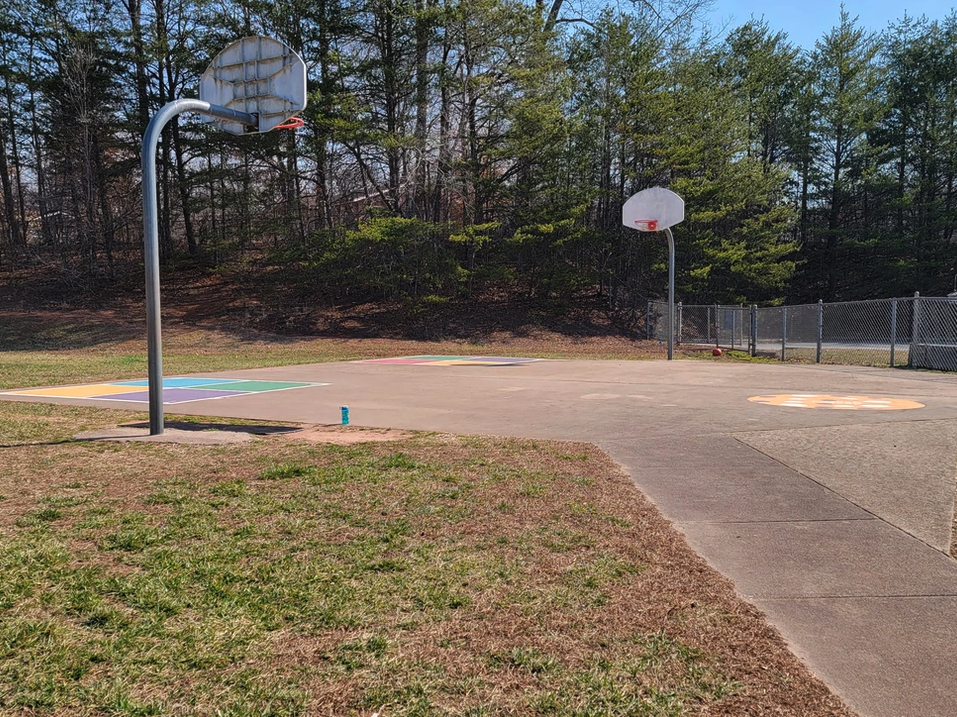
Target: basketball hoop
{"x": 259, "y": 76}
{"x": 653, "y": 210}
{"x": 657, "y": 209}
{"x": 291, "y": 123}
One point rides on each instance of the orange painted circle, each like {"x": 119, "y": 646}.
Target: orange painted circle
{"x": 836, "y": 403}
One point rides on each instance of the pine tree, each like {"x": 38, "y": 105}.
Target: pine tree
{"x": 734, "y": 244}
{"x": 849, "y": 108}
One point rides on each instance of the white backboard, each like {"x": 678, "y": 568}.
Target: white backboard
{"x": 259, "y": 75}
{"x": 653, "y": 209}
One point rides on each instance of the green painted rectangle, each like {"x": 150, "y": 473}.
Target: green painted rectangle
{"x": 254, "y": 386}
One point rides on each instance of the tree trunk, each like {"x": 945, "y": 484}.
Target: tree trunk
{"x": 183, "y": 187}
{"x": 21, "y": 228}
{"x": 392, "y": 90}
{"x": 9, "y": 210}
{"x": 107, "y": 222}
{"x": 320, "y": 142}
{"x": 833, "y": 216}
{"x": 439, "y": 210}
{"x": 134, "y": 10}
{"x": 420, "y": 192}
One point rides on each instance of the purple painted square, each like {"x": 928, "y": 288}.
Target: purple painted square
{"x": 170, "y": 395}
{"x": 503, "y": 359}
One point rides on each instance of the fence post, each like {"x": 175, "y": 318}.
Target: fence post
{"x": 648, "y": 321}
{"x": 893, "y": 329}
{"x": 914, "y": 329}
{"x": 784, "y": 331}
{"x": 741, "y": 324}
{"x": 753, "y": 333}
{"x": 709, "y": 323}
{"x": 734, "y": 326}
{"x": 820, "y": 328}
{"x": 680, "y": 321}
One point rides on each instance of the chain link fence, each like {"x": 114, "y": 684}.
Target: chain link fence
{"x": 920, "y": 332}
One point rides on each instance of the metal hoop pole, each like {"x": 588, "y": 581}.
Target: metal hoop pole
{"x": 154, "y": 338}
{"x": 671, "y": 294}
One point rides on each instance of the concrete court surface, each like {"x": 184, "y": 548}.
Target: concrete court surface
{"x": 835, "y": 523}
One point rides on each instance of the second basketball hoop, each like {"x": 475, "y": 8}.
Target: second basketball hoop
{"x": 652, "y": 210}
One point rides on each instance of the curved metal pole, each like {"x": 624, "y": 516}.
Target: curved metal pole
{"x": 154, "y": 339}
{"x": 671, "y": 295}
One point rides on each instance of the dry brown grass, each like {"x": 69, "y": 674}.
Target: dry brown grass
{"x": 438, "y": 575}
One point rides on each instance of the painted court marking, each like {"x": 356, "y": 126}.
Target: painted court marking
{"x": 175, "y": 390}
{"x": 838, "y": 403}
{"x": 453, "y": 360}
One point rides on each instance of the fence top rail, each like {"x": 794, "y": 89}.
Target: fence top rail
{"x": 859, "y": 302}
{"x": 736, "y": 307}
{"x": 950, "y": 299}
{"x": 836, "y": 303}
{"x": 866, "y": 301}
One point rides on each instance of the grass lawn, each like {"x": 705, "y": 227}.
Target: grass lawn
{"x": 436, "y": 575}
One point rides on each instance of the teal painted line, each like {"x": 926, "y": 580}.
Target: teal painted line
{"x": 180, "y": 382}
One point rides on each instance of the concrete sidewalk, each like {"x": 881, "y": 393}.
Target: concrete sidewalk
{"x": 835, "y": 523}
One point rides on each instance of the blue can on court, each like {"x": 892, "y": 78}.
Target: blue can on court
{"x": 344, "y": 410}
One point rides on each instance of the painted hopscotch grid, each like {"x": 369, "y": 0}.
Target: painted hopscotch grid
{"x": 175, "y": 390}
{"x": 453, "y": 360}
{"x": 836, "y": 403}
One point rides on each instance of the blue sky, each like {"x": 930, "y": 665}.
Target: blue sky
{"x": 807, "y": 20}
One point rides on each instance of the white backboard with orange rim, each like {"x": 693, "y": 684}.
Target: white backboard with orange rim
{"x": 653, "y": 210}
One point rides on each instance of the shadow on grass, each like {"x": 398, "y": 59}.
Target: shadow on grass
{"x": 44, "y": 316}
{"x": 476, "y": 320}
{"x": 254, "y": 429}
{"x": 61, "y": 442}
{"x": 48, "y": 331}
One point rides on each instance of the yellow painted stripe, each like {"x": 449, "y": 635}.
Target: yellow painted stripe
{"x": 99, "y": 389}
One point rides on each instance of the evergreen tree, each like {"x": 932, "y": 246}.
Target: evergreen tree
{"x": 849, "y": 108}
{"x": 734, "y": 242}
